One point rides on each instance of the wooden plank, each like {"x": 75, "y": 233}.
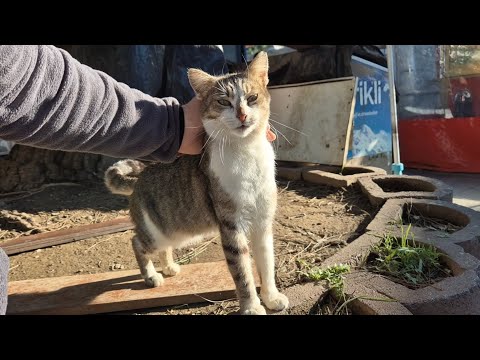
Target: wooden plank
{"x": 51, "y": 238}
{"x": 119, "y": 291}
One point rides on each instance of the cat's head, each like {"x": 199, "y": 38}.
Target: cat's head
{"x": 236, "y": 103}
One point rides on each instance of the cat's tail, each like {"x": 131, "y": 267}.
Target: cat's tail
{"x": 120, "y": 178}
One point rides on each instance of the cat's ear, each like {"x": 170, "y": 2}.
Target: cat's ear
{"x": 200, "y": 81}
{"x": 258, "y": 68}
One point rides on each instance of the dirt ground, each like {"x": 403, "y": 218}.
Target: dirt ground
{"x": 312, "y": 223}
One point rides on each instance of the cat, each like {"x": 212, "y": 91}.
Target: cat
{"x": 230, "y": 189}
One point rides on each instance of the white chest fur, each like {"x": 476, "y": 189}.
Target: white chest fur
{"x": 247, "y": 174}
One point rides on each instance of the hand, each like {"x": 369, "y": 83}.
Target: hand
{"x": 192, "y": 142}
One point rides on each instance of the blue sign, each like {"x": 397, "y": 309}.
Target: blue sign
{"x": 372, "y": 128}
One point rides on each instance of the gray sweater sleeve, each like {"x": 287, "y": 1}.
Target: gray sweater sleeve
{"x": 49, "y": 100}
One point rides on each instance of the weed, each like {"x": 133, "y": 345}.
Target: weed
{"x": 334, "y": 276}
{"x": 409, "y": 263}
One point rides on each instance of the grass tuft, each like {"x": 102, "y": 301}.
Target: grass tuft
{"x": 404, "y": 261}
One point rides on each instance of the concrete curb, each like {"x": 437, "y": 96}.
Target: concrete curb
{"x": 303, "y": 298}
{"x": 424, "y": 188}
{"x": 453, "y": 295}
{"x": 389, "y": 217}
{"x": 352, "y": 175}
{"x": 329, "y": 175}
{"x": 372, "y": 302}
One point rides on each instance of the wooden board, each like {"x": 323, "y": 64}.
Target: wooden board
{"x": 119, "y": 291}
{"x": 322, "y": 111}
{"x": 51, "y": 238}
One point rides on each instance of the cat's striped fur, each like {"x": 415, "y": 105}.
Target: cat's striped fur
{"x": 230, "y": 188}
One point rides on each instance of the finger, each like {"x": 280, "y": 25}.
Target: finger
{"x": 270, "y": 134}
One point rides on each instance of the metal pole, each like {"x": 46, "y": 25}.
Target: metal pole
{"x": 397, "y": 166}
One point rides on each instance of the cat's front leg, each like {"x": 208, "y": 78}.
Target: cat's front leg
{"x": 262, "y": 244}
{"x": 235, "y": 248}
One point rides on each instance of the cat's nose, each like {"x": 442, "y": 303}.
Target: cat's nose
{"x": 242, "y": 117}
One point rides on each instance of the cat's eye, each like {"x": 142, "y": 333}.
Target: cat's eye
{"x": 252, "y": 99}
{"x": 224, "y": 102}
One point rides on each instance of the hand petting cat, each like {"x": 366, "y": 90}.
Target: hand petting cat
{"x": 193, "y": 136}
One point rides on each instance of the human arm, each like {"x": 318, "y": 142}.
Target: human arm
{"x": 49, "y": 100}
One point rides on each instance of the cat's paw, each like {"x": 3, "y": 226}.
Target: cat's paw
{"x": 172, "y": 269}
{"x": 254, "y": 310}
{"x": 154, "y": 281}
{"x": 275, "y": 301}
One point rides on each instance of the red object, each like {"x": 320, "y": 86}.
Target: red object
{"x": 448, "y": 145}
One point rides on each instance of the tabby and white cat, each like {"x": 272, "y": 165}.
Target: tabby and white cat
{"x": 230, "y": 188}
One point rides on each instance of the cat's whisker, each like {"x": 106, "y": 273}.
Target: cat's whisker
{"x": 218, "y": 132}
{"x": 200, "y": 134}
{"x": 209, "y": 138}
{"x": 224, "y": 140}
{"x": 220, "y": 149}
{"x": 226, "y": 137}
{"x": 220, "y": 152}
{"x": 275, "y": 145}
{"x": 206, "y": 142}
{"x": 223, "y": 147}
{"x": 282, "y": 135}
{"x": 279, "y": 123}
{"x": 203, "y": 147}
{"x": 203, "y": 152}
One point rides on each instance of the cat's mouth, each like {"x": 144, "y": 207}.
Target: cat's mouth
{"x": 243, "y": 127}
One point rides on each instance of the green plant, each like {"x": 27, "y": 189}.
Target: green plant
{"x": 334, "y": 301}
{"x": 334, "y": 275}
{"x": 405, "y": 261}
